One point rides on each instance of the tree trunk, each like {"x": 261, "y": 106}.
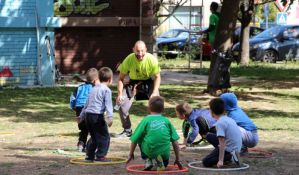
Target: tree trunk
{"x": 247, "y": 12}
{"x": 223, "y": 42}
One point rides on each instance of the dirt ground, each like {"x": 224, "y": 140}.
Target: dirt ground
{"x": 49, "y": 155}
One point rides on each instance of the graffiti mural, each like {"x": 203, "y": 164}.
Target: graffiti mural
{"x": 79, "y": 7}
{"x": 5, "y": 72}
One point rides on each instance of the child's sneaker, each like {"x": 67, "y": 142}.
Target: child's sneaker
{"x": 102, "y": 159}
{"x": 244, "y": 151}
{"x": 88, "y": 159}
{"x": 236, "y": 158}
{"x": 148, "y": 164}
{"x": 81, "y": 146}
{"x": 160, "y": 164}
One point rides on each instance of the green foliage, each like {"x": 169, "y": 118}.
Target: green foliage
{"x": 272, "y": 12}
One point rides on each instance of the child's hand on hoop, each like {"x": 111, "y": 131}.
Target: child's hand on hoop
{"x": 131, "y": 157}
{"x": 179, "y": 164}
{"x": 182, "y": 147}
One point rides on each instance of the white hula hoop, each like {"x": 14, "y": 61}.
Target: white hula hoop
{"x": 191, "y": 165}
{"x": 206, "y": 147}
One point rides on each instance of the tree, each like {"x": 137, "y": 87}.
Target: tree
{"x": 228, "y": 18}
{"x": 247, "y": 10}
{"x": 272, "y": 12}
{"x": 223, "y": 43}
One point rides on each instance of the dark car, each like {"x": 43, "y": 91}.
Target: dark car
{"x": 275, "y": 44}
{"x": 252, "y": 32}
{"x": 175, "y": 41}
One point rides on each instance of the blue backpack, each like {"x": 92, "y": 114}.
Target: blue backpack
{"x": 79, "y": 97}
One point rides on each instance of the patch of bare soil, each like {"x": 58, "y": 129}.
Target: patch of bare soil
{"x": 35, "y": 159}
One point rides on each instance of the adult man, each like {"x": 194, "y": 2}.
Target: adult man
{"x": 144, "y": 73}
{"x": 213, "y": 23}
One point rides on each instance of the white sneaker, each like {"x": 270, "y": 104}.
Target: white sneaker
{"x": 236, "y": 158}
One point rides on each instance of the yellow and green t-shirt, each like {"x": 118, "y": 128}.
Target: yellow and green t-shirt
{"x": 154, "y": 133}
{"x": 140, "y": 70}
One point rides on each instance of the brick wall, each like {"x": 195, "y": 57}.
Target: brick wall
{"x": 81, "y": 44}
{"x": 78, "y": 49}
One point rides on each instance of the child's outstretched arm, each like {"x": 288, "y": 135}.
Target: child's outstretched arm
{"x": 221, "y": 151}
{"x": 131, "y": 154}
{"x": 176, "y": 149}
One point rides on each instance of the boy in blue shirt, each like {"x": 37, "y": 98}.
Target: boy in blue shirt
{"x": 99, "y": 101}
{"x": 248, "y": 128}
{"x": 77, "y": 102}
{"x": 200, "y": 120}
{"x": 227, "y": 141}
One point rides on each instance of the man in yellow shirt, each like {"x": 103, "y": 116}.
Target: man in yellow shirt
{"x": 144, "y": 73}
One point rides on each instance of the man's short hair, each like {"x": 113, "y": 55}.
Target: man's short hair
{"x": 105, "y": 74}
{"x": 92, "y": 74}
{"x": 156, "y": 104}
{"x": 214, "y": 6}
{"x": 184, "y": 108}
{"x": 217, "y": 106}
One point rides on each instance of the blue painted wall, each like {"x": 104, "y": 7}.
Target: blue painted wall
{"x": 25, "y": 26}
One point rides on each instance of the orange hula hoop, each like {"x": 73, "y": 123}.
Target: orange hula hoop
{"x": 132, "y": 168}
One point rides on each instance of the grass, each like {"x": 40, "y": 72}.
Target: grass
{"x": 255, "y": 70}
{"x": 42, "y": 121}
{"x": 46, "y": 110}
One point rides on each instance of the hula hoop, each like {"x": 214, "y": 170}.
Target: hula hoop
{"x": 68, "y": 153}
{"x": 191, "y": 165}
{"x": 7, "y": 133}
{"x": 206, "y": 147}
{"x": 114, "y": 160}
{"x": 133, "y": 169}
{"x": 263, "y": 154}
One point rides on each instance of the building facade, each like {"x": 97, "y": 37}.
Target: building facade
{"x": 97, "y": 33}
{"x": 74, "y": 35}
{"x": 26, "y": 28}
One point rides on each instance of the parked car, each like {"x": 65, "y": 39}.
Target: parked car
{"x": 175, "y": 41}
{"x": 274, "y": 44}
{"x": 252, "y": 32}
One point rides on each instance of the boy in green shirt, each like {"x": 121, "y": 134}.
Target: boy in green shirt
{"x": 153, "y": 135}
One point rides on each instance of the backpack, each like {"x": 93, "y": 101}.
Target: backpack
{"x": 80, "y": 95}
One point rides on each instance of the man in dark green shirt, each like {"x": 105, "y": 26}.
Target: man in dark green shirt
{"x": 213, "y": 23}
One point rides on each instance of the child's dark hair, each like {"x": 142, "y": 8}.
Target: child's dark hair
{"x": 156, "y": 104}
{"x": 91, "y": 75}
{"x": 105, "y": 74}
{"x": 184, "y": 108}
{"x": 214, "y": 6}
{"x": 217, "y": 106}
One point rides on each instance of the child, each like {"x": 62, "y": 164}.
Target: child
{"x": 77, "y": 102}
{"x": 227, "y": 141}
{"x": 200, "y": 120}
{"x": 153, "y": 135}
{"x": 248, "y": 128}
{"x": 99, "y": 101}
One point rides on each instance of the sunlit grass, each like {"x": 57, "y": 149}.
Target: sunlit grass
{"x": 255, "y": 70}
